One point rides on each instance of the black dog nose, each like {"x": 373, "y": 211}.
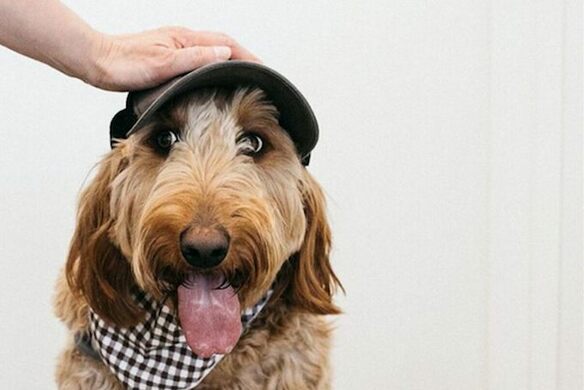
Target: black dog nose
{"x": 204, "y": 247}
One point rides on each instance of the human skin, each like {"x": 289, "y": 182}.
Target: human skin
{"x": 48, "y": 31}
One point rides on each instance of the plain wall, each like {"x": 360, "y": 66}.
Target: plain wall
{"x": 450, "y": 150}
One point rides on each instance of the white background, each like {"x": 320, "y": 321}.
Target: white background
{"x": 451, "y": 151}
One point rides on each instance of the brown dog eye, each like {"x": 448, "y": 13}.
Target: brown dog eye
{"x": 251, "y": 144}
{"x": 165, "y": 139}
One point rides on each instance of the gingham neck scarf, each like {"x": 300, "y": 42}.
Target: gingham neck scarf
{"x": 154, "y": 354}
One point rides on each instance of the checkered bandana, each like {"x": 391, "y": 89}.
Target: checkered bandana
{"x": 154, "y": 354}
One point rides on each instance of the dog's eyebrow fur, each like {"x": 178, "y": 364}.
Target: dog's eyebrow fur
{"x": 174, "y": 118}
{"x": 250, "y": 108}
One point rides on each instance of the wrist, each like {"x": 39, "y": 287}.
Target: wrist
{"x": 95, "y": 70}
{"x": 76, "y": 56}
{"x": 80, "y": 57}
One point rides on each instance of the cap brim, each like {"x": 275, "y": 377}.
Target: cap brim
{"x": 296, "y": 115}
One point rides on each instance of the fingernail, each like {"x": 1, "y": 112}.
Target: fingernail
{"x": 223, "y": 52}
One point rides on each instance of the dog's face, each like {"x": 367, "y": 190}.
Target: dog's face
{"x": 213, "y": 188}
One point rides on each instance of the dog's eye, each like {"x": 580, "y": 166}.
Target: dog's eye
{"x": 165, "y": 139}
{"x": 251, "y": 144}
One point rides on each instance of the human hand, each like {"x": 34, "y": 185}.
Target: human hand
{"x": 50, "y": 32}
{"x": 143, "y": 60}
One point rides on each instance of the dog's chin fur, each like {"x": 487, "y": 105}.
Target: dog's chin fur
{"x": 132, "y": 213}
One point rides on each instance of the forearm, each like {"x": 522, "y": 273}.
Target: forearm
{"x": 48, "y": 31}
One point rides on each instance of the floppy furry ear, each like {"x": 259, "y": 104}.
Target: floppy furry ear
{"x": 96, "y": 269}
{"x": 312, "y": 280}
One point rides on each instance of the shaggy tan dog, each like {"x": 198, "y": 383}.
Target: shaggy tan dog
{"x": 214, "y": 170}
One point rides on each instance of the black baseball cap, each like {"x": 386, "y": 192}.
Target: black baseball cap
{"x": 296, "y": 116}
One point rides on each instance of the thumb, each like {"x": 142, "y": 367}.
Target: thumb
{"x": 190, "y": 58}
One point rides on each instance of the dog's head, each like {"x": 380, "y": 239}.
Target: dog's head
{"x": 211, "y": 190}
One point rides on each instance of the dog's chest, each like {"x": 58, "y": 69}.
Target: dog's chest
{"x": 289, "y": 353}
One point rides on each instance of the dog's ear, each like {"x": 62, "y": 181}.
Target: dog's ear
{"x": 95, "y": 268}
{"x": 312, "y": 280}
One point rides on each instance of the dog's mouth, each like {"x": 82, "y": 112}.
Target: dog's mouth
{"x": 209, "y": 313}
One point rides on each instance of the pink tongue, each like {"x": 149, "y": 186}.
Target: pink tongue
{"x": 210, "y": 317}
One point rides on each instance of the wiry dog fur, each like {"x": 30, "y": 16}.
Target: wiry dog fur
{"x": 131, "y": 215}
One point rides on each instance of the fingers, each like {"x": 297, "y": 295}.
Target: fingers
{"x": 161, "y": 54}
{"x": 241, "y": 53}
{"x": 189, "y": 38}
{"x": 193, "y": 57}
{"x": 238, "y": 52}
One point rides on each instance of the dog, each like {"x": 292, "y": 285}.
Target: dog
{"x": 211, "y": 191}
